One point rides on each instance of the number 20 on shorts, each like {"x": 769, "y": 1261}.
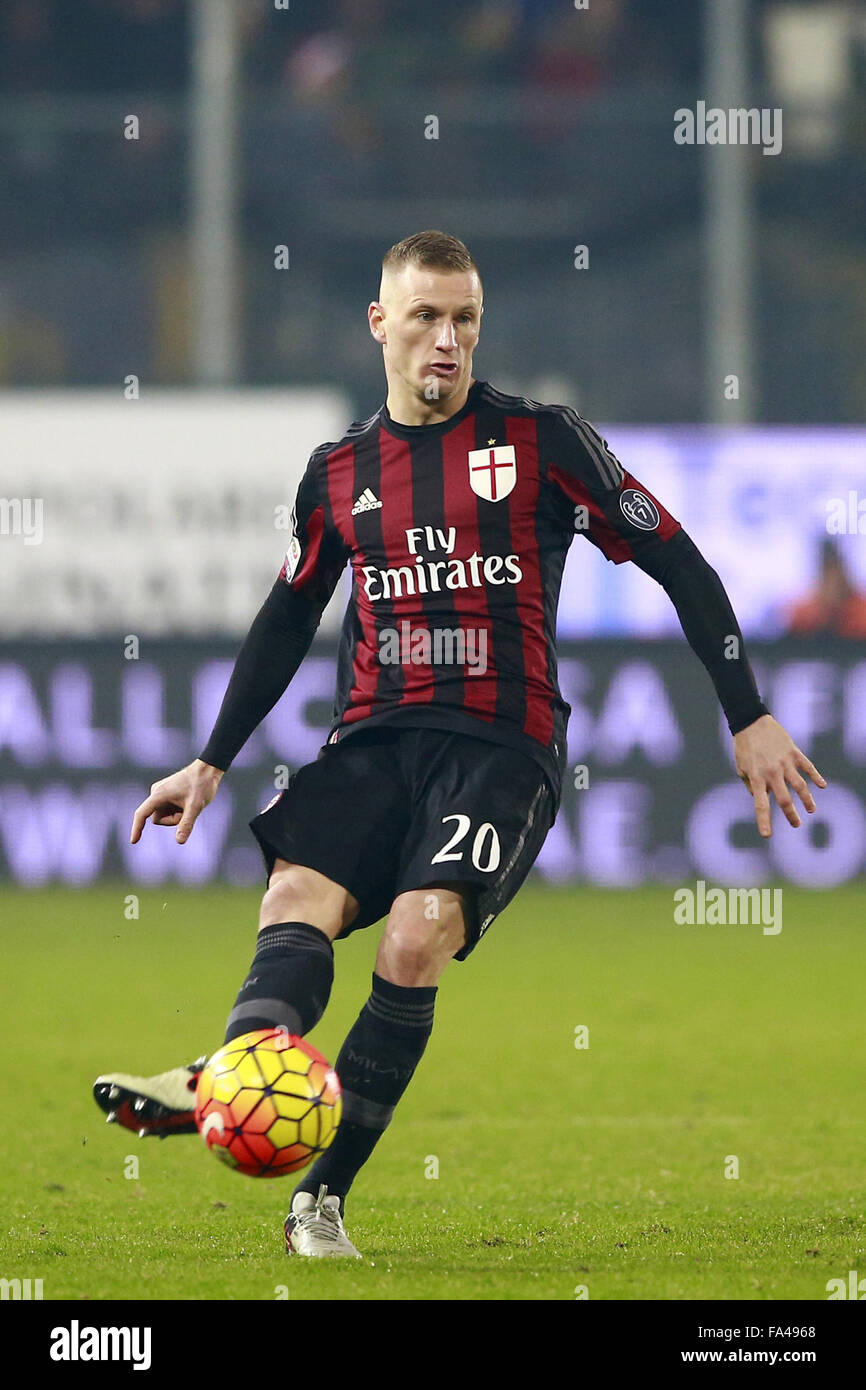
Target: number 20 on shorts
{"x": 485, "y": 845}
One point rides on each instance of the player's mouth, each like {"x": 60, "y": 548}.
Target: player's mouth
{"x": 446, "y": 370}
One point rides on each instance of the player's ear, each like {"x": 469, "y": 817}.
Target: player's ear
{"x": 376, "y": 320}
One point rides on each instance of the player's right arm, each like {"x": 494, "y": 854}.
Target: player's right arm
{"x": 178, "y": 800}
{"x": 275, "y": 646}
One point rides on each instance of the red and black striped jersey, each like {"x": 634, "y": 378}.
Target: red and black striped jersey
{"x": 457, "y": 534}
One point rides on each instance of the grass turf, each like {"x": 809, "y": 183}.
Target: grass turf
{"x": 560, "y": 1168}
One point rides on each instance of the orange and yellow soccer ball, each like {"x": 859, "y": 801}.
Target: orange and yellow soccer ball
{"x": 267, "y": 1103}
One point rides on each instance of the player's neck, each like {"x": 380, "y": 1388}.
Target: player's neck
{"x": 405, "y": 408}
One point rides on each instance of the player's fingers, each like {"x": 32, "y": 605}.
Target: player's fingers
{"x": 141, "y": 814}
{"x": 805, "y": 766}
{"x": 762, "y": 809}
{"x": 801, "y": 787}
{"x": 187, "y": 822}
{"x": 167, "y": 817}
{"x": 782, "y": 793}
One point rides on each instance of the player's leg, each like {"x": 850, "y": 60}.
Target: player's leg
{"x": 482, "y": 816}
{"x": 289, "y": 981}
{"x": 322, "y": 849}
{"x": 288, "y": 985}
{"x": 321, "y": 856}
{"x": 379, "y": 1058}
{"x": 424, "y": 931}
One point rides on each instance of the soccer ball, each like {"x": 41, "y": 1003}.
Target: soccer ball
{"x": 267, "y": 1103}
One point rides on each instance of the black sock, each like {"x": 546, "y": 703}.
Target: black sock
{"x": 289, "y": 981}
{"x": 375, "y": 1065}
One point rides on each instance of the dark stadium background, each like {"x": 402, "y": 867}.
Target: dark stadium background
{"x": 151, "y": 260}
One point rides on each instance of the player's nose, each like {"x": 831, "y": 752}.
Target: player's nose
{"x": 447, "y": 337}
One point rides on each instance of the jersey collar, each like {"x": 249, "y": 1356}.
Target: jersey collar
{"x": 432, "y": 431}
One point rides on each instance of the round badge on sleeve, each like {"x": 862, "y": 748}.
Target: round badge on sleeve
{"x": 639, "y": 509}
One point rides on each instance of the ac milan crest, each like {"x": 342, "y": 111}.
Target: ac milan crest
{"x": 492, "y": 472}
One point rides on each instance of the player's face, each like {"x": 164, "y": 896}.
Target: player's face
{"x": 428, "y": 322}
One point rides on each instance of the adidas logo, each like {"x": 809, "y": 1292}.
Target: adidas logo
{"x": 367, "y": 502}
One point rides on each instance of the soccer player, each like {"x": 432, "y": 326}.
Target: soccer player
{"x": 455, "y": 506}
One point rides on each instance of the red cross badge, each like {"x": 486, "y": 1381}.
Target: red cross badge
{"x": 492, "y": 472}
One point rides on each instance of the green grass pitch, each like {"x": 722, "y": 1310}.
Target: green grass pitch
{"x": 560, "y": 1168}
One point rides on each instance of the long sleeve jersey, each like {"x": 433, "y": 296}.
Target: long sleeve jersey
{"x": 457, "y": 534}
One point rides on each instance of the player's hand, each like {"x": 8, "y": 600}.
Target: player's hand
{"x": 178, "y": 800}
{"x": 768, "y": 761}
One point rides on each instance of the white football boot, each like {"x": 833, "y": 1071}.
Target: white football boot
{"x": 314, "y": 1226}
{"x": 161, "y": 1105}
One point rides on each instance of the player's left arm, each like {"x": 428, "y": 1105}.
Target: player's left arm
{"x": 627, "y": 522}
{"x": 768, "y": 761}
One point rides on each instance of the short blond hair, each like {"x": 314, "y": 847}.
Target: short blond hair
{"x": 431, "y": 249}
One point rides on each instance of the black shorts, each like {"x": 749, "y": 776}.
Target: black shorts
{"x": 390, "y": 810}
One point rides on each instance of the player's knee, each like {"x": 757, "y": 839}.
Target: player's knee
{"x": 407, "y": 958}
{"x": 416, "y": 948}
{"x": 298, "y": 894}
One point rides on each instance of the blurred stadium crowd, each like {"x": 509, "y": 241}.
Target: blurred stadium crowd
{"x": 555, "y": 128}
{"x": 117, "y": 45}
